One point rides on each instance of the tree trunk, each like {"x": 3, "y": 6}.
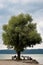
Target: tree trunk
{"x": 18, "y": 57}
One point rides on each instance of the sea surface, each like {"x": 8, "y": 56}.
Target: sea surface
{"x": 38, "y": 57}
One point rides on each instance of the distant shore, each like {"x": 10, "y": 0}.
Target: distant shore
{"x": 11, "y": 62}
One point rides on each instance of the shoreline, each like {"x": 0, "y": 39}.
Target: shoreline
{"x": 34, "y": 58}
{"x": 13, "y": 62}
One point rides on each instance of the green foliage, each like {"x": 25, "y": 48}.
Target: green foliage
{"x": 20, "y": 32}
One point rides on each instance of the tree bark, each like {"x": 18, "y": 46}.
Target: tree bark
{"x": 18, "y": 57}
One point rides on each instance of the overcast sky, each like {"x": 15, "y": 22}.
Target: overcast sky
{"x": 9, "y": 8}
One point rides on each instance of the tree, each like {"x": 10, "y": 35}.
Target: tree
{"x": 20, "y": 33}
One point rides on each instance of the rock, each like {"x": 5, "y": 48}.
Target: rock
{"x": 30, "y": 58}
{"x": 13, "y": 57}
{"x": 34, "y": 61}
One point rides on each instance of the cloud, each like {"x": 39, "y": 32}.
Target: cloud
{"x": 11, "y": 7}
{"x": 1, "y": 6}
{"x": 25, "y": 1}
{"x": 14, "y": 1}
{"x": 38, "y": 46}
{"x": 20, "y": 1}
{"x": 2, "y": 46}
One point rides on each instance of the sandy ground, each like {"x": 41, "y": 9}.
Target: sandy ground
{"x": 10, "y": 62}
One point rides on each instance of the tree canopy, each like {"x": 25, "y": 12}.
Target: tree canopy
{"x": 20, "y": 33}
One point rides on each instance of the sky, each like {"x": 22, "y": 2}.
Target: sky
{"x": 10, "y": 8}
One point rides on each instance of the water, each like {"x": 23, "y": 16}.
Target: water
{"x": 38, "y": 57}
